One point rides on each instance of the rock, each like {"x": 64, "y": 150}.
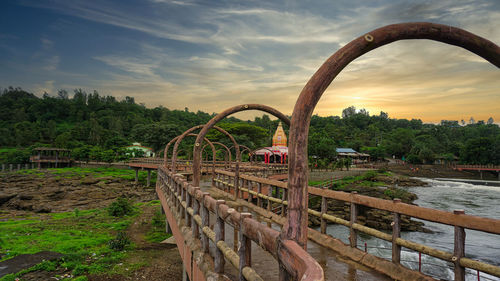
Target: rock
{"x": 5, "y": 198}
{"x": 89, "y": 181}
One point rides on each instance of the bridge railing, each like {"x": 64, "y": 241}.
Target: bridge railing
{"x": 270, "y": 191}
{"x": 194, "y": 206}
{"x": 477, "y": 167}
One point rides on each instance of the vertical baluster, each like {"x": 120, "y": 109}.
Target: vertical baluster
{"x": 353, "y": 236}
{"x": 205, "y": 216}
{"x": 259, "y": 191}
{"x": 250, "y": 187}
{"x": 219, "y": 236}
{"x": 459, "y": 249}
{"x": 283, "y": 198}
{"x": 269, "y": 194}
{"x": 245, "y": 247}
{"x": 196, "y": 211}
{"x": 188, "y": 204}
{"x": 324, "y": 207}
{"x": 396, "y": 233}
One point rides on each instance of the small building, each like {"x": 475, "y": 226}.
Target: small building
{"x": 148, "y": 152}
{"x": 277, "y": 153}
{"x": 51, "y": 156}
{"x": 356, "y": 157}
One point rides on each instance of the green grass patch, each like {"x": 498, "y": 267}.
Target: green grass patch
{"x": 157, "y": 232}
{"x": 83, "y": 236}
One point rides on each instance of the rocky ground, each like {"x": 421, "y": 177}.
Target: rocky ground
{"x": 56, "y": 193}
{"x": 46, "y": 192}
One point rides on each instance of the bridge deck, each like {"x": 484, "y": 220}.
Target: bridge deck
{"x": 335, "y": 268}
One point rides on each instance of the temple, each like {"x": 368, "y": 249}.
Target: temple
{"x": 278, "y": 152}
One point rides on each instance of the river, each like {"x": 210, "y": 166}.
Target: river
{"x": 478, "y": 200}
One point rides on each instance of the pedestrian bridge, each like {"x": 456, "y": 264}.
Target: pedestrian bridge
{"x": 243, "y": 225}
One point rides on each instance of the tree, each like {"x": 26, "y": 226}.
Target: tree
{"x": 348, "y": 112}
{"x": 490, "y": 121}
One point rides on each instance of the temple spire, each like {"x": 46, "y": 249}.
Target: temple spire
{"x": 279, "y": 138}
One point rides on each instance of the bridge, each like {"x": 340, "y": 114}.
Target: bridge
{"x": 479, "y": 168}
{"x": 242, "y": 225}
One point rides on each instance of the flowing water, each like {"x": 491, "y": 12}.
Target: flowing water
{"x": 478, "y": 200}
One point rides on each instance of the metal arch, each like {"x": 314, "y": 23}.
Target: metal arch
{"x": 272, "y": 152}
{"x": 215, "y": 120}
{"x": 242, "y": 150}
{"x": 296, "y": 226}
{"x": 197, "y": 147}
{"x": 211, "y": 144}
{"x": 228, "y": 152}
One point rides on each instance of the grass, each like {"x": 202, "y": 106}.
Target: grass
{"x": 157, "y": 232}
{"x": 83, "y": 237}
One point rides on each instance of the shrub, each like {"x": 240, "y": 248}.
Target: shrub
{"x": 120, "y": 242}
{"x": 120, "y": 208}
{"x": 158, "y": 220}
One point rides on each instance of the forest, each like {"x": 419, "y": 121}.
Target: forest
{"x": 98, "y": 127}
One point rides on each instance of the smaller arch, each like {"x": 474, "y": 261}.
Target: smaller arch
{"x": 197, "y": 148}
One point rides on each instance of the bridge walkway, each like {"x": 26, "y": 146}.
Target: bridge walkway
{"x": 334, "y": 266}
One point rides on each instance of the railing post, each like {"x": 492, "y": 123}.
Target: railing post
{"x": 188, "y": 204}
{"x": 183, "y": 198}
{"x": 269, "y": 194}
{"x": 324, "y": 208}
{"x": 249, "y": 186}
{"x": 219, "y": 236}
{"x": 353, "y": 236}
{"x": 245, "y": 247}
{"x": 259, "y": 191}
{"x": 196, "y": 211}
{"x": 205, "y": 216}
{"x": 459, "y": 249}
{"x": 283, "y": 198}
{"x": 396, "y": 233}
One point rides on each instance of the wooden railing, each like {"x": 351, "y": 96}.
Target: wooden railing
{"x": 193, "y": 206}
{"x": 271, "y": 191}
{"x": 476, "y": 167}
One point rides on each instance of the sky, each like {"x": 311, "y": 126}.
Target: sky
{"x": 212, "y": 55}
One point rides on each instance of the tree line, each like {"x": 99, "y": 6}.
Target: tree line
{"x": 99, "y": 127}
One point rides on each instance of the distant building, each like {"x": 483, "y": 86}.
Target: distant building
{"x": 148, "y": 152}
{"x": 51, "y": 157}
{"x": 277, "y": 153}
{"x": 356, "y": 157}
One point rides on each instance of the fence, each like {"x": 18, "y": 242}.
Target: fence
{"x": 275, "y": 192}
{"x": 193, "y": 207}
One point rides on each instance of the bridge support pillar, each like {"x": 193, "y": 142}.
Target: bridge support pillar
{"x": 149, "y": 178}
{"x": 136, "y": 175}
{"x": 480, "y": 174}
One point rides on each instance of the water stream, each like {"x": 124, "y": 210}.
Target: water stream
{"x": 479, "y": 200}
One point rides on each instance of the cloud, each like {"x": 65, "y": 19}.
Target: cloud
{"x": 46, "y": 44}
{"x": 51, "y": 63}
{"x": 212, "y": 55}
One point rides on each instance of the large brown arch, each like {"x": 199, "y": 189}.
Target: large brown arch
{"x": 215, "y": 120}
{"x": 296, "y": 226}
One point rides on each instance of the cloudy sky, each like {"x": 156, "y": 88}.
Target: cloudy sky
{"x": 210, "y": 55}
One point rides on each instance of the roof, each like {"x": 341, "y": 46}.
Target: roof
{"x": 51, "y": 149}
{"x": 345, "y": 150}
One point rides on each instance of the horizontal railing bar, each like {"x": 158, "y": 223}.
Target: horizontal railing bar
{"x": 444, "y": 217}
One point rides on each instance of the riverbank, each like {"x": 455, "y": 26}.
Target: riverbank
{"x": 378, "y": 184}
